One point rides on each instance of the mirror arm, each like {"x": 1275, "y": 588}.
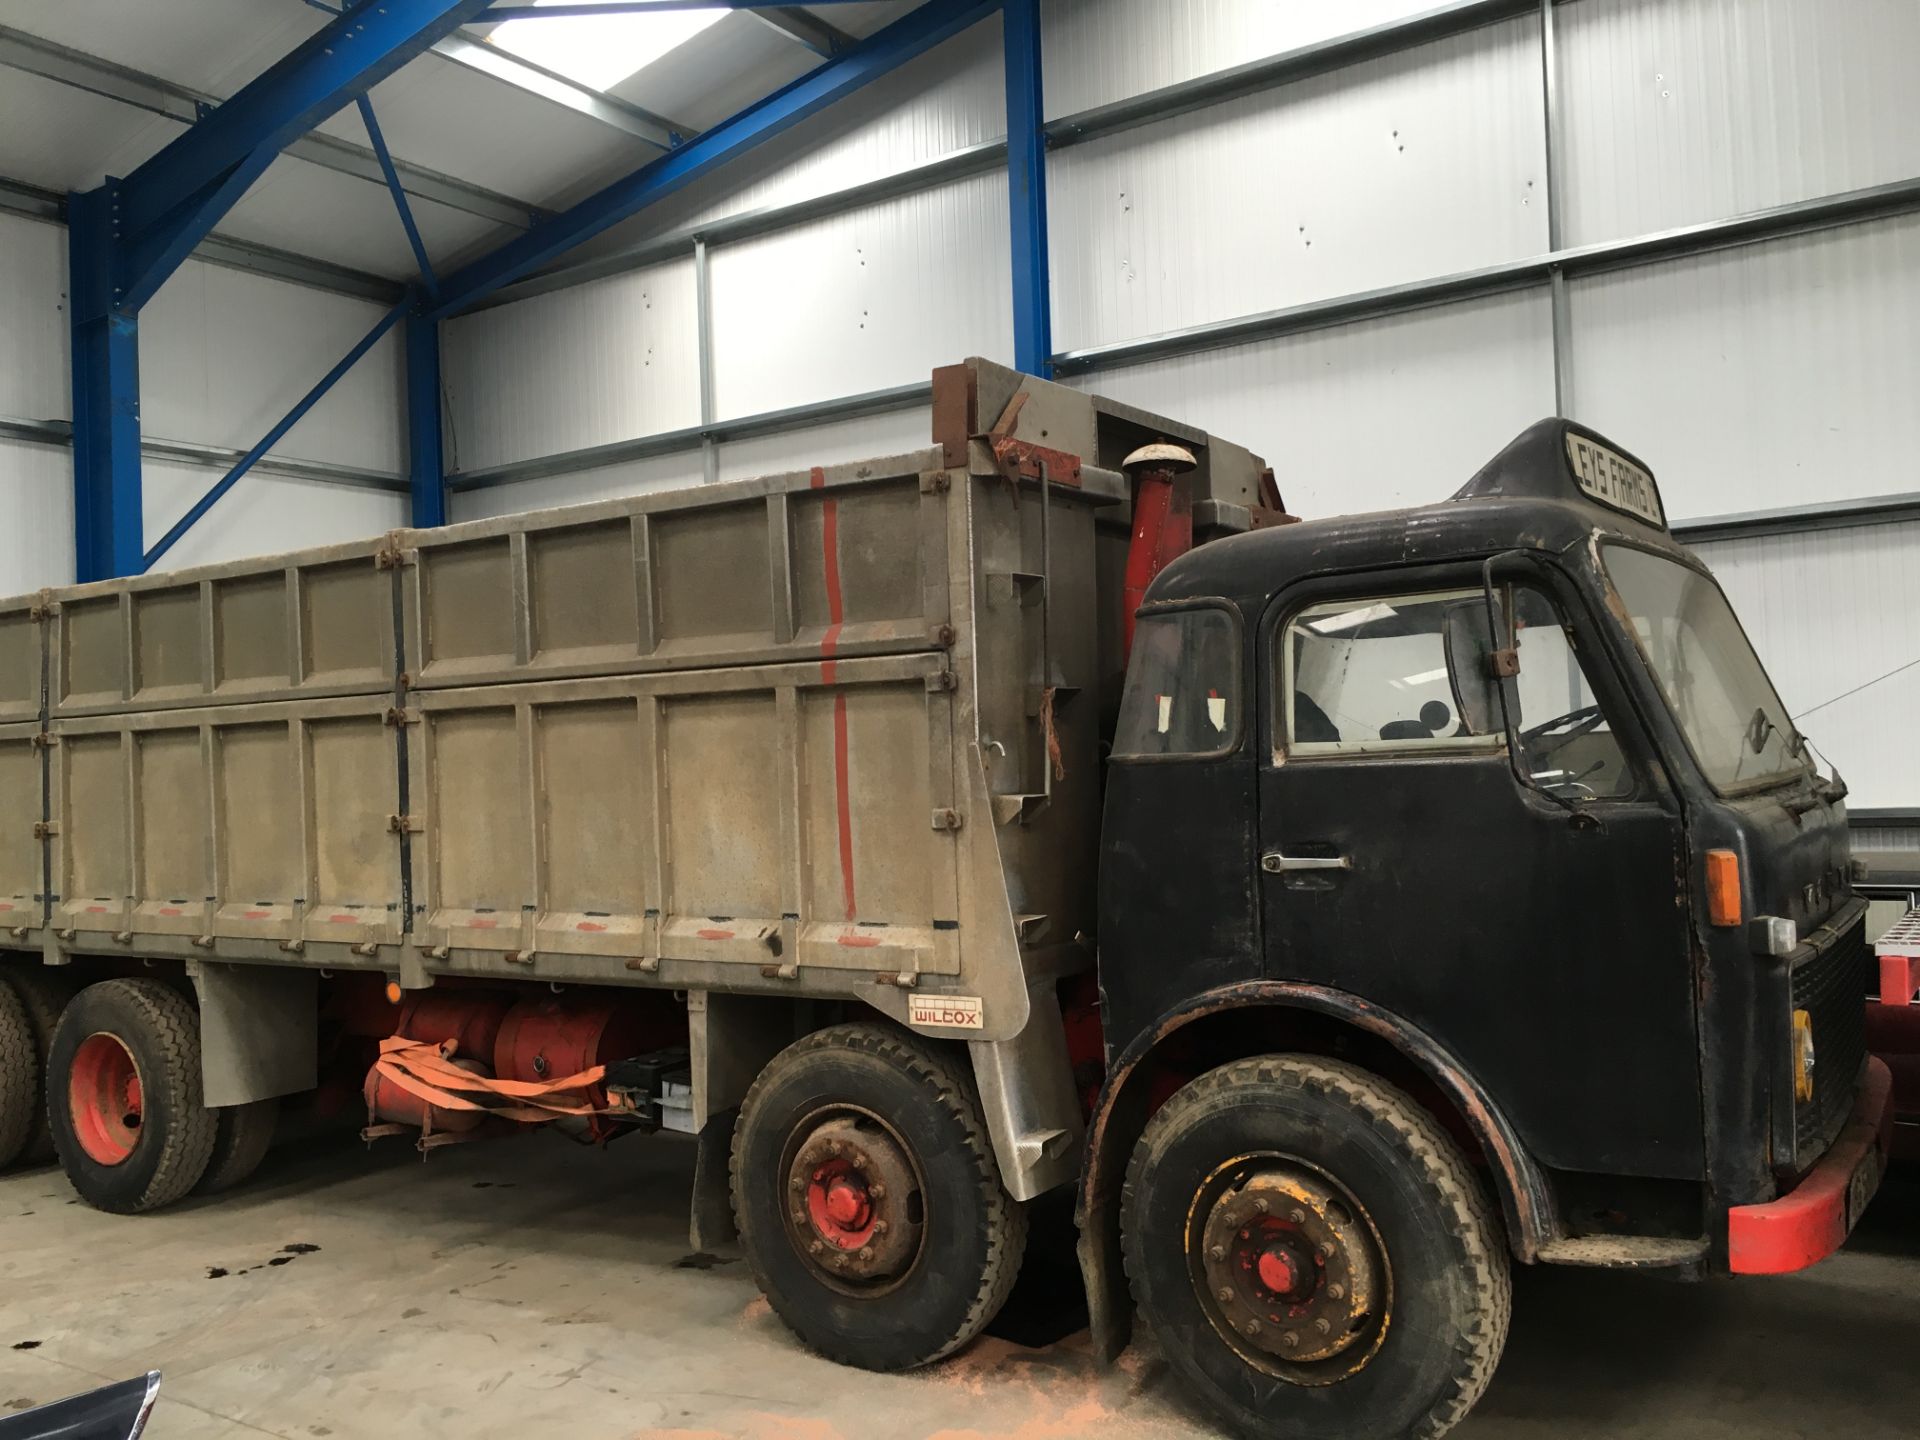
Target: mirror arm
{"x": 1504, "y": 663}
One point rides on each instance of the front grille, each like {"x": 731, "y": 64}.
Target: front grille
{"x": 1831, "y": 986}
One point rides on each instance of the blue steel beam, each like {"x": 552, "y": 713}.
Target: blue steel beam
{"x": 107, "y": 514}
{"x": 399, "y": 194}
{"x": 1027, "y": 180}
{"x": 349, "y": 56}
{"x": 912, "y": 35}
{"x": 426, "y": 463}
{"x": 247, "y": 461}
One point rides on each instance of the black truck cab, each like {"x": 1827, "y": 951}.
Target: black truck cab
{"x": 1492, "y": 797}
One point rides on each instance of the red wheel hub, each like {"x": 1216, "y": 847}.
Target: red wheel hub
{"x": 1277, "y": 1271}
{"x": 1287, "y": 1267}
{"x": 840, "y": 1205}
{"x": 855, "y": 1205}
{"x": 104, "y": 1096}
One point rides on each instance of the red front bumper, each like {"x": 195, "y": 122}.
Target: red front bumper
{"x": 1813, "y": 1219}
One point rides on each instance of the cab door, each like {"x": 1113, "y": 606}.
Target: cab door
{"x": 1523, "y": 913}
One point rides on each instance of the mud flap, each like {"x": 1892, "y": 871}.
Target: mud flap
{"x": 710, "y": 1224}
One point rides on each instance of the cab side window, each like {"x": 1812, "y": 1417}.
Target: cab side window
{"x": 1182, "y": 695}
{"x": 1361, "y": 675}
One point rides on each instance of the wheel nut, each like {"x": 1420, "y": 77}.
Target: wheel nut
{"x": 878, "y": 1192}
{"x": 840, "y": 1260}
{"x": 815, "y": 1248}
{"x": 1321, "y": 1325}
{"x": 1226, "y": 1294}
{"x": 833, "y": 1147}
{"x": 866, "y": 1252}
{"x": 799, "y": 1215}
{"x": 1326, "y": 1248}
{"x": 879, "y": 1227}
{"x": 1289, "y": 1339}
{"x": 1217, "y": 1252}
{"x": 1336, "y": 1291}
{"x": 796, "y": 1184}
{"x": 1262, "y": 1205}
{"x": 1252, "y": 1327}
{"x": 1299, "y": 1217}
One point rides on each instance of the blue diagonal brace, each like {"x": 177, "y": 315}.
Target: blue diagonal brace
{"x": 399, "y": 194}
{"x": 247, "y": 461}
{"x": 913, "y": 34}
{"x": 147, "y": 259}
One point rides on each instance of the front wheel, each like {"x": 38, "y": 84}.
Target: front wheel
{"x": 1314, "y": 1255}
{"x": 868, "y": 1199}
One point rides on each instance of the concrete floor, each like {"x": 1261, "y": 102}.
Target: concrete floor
{"x": 527, "y": 1284}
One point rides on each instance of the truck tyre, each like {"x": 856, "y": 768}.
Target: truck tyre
{"x": 19, "y": 1076}
{"x": 123, "y": 1095}
{"x": 45, "y": 993}
{"x": 241, "y": 1135}
{"x": 869, "y": 1201}
{"x": 1314, "y": 1255}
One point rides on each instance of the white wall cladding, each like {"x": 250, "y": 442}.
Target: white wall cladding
{"x": 604, "y": 482}
{"x": 1830, "y": 611}
{"x": 1774, "y": 375}
{"x": 951, "y": 98}
{"x": 33, "y": 320}
{"x": 1398, "y": 411}
{"x": 1099, "y": 51}
{"x": 1686, "y": 110}
{"x": 834, "y": 443}
{"x": 262, "y": 515}
{"x": 225, "y": 354}
{"x": 36, "y": 497}
{"x": 611, "y": 360}
{"x": 863, "y": 300}
{"x": 1414, "y": 165}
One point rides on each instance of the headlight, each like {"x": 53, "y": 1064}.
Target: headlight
{"x": 1802, "y": 1055}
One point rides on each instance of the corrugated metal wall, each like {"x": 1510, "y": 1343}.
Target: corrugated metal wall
{"x": 224, "y": 355}
{"x": 1832, "y": 612}
{"x": 1396, "y": 411}
{"x": 1777, "y": 374}
{"x": 1415, "y": 165}
{"x": 866, "y": 299}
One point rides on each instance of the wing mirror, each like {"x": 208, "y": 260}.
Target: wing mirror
{"x": 1471, "y": 660}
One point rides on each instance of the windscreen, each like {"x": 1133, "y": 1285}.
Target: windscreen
{"x": 1739, "y": 732}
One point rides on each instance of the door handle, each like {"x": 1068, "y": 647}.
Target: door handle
{"x": 1274, "y": 863}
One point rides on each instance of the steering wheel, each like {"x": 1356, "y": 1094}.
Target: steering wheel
{"x": 1586, "y": 718}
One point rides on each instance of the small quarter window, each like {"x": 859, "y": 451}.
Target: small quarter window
{"x": 1182, "y": 695}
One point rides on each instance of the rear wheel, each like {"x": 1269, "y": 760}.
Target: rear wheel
{"x": 1314, "y": 1254}
{"x": 868, "y": 1199}
{"x": 19, "y": 1076}
{"x": 241, "y": 1136}
{"x": 45, "y": 993}
{"x": 124, "y": 1096}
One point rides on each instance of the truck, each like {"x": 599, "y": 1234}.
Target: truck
{"x": 1342, "y": 911}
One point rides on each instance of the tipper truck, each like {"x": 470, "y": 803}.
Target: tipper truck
{"x": 1347, "y": 910}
